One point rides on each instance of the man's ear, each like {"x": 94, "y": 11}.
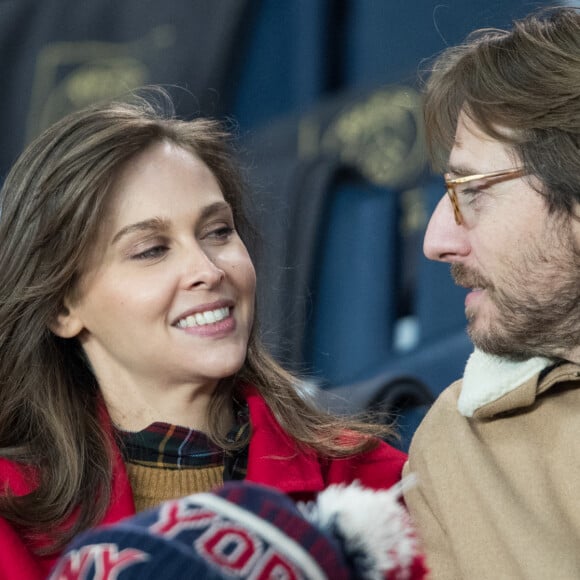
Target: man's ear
{"x": 67, "y": 323}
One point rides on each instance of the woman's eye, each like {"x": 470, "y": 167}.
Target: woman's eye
{"x": 151, "y": 253}
{"x": 221, "y": 233}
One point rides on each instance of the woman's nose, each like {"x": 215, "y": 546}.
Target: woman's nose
{"x": 201, "y": 269}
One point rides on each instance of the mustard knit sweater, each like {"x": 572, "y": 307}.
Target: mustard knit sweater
{"x": 152, "y": 485}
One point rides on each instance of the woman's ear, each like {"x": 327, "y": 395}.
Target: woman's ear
{"x": 67, "y": 323}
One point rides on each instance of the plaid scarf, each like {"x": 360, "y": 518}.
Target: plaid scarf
{"x": 167, "y": 446}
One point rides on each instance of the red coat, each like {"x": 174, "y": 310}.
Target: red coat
{"x": 300, "y": 475}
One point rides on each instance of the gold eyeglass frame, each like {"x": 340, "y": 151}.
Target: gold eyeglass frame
{"x": 451, "y": 183}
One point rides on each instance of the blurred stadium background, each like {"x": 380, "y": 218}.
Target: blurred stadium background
{"x": 325, "y": 98}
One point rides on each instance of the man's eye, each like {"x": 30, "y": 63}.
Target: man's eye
{"x": 470, "y": 191}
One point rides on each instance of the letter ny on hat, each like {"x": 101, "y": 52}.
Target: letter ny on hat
{"x": 245, "y": 530}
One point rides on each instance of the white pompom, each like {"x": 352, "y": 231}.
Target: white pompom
{"x": 372, "y": 525}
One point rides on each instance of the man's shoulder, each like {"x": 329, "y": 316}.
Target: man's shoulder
{"x": 444, "y": 408}
{"x": 436, "y": 434}
{"x": 447, "y": 425}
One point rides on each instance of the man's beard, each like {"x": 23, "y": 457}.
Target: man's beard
{"x": 537, "y": 304}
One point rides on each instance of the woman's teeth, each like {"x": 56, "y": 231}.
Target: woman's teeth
{"x": 203, "y": 318}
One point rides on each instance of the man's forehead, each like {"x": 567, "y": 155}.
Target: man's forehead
{"x": 474, "y": 150}
{"x": 468, "y": 130}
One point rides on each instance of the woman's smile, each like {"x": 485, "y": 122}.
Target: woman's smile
{"x": 203, "y": 318}
{"x": 211, "y": 322}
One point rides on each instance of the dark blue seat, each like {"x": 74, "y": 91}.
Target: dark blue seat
{"x": 331, "y": 272}
{"x": 284, "y": 64}
{"x": 354, "y": 293}
{"x": 406, "y": 386}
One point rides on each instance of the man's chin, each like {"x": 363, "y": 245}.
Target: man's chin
{"x": 495, "y": 343}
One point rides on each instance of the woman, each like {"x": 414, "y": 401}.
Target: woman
{"x": 130, "y": 367}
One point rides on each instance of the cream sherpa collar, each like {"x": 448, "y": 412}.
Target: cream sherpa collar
{"x": 488, "y": 377}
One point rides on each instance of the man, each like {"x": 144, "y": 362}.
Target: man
{"x": 498, "y": 455}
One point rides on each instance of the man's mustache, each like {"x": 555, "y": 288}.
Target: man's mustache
{"x": 468, "y": 278}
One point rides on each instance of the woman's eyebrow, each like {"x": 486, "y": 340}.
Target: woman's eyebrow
{"x": 160, "y": 225}
{"x": 153, "y": 224}
{"x": 213, "y": 208}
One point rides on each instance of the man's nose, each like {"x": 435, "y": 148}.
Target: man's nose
{"x": 444, "y": 240}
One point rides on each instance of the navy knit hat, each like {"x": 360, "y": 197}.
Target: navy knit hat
{"x": 245, "y": 530}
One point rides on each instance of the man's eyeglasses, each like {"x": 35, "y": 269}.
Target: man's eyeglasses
{"x": 457, "y": 189}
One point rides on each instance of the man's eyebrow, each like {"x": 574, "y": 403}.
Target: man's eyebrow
{"x": 154, "y": 224}
{"x": 462, "y": 170}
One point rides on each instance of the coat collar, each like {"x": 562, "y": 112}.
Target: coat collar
{"x": 271, "y": 448}
{"x": 269, "y": 451}
{"x": 488, "y": 378}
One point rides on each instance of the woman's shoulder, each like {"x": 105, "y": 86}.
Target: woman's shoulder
{"x": 379, "y": 468}
{"x": 16, "y": 559}
{"x": 16, "y": 478}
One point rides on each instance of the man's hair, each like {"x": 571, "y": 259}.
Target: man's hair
{"x": 527, "y": 80}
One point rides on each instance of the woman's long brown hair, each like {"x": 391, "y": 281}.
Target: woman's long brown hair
{"x": 53, "y": 203}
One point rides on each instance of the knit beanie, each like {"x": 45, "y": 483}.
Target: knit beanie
{"x": 246, "y": 530}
